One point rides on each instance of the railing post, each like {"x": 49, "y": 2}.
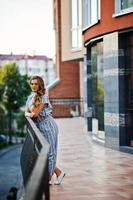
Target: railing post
{"x": 34, "y": 164}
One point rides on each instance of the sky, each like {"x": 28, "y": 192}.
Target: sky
{"x": 26, "y": 26}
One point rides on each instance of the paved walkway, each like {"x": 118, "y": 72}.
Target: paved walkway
{"x": 93, "y": 172}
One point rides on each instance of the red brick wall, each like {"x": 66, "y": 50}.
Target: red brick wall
{"x": 68, "y": 87}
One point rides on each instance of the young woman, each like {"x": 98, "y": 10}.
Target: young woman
{"x": 39, "y": 109}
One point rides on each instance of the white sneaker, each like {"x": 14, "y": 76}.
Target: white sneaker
{"x": 50, "y": 183}
{"x": 59, "y": 178}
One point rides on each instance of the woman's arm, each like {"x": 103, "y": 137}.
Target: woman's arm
{"x": 36, "y": 111}
{"x": 27, "y": 111}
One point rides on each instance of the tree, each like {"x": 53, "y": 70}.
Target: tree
{"x": 21, "y": 121}
{"x": 15, "y": 89}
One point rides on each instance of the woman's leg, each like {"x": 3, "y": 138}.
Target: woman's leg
{"x": 50, "y": 135}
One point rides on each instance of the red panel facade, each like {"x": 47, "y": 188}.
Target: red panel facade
{"x": 108, "y": 23}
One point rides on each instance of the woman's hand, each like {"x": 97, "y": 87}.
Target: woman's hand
{"x": 36, "y": 111}
{"x": 29, "y": 114}
{"x": 32, "y": 114}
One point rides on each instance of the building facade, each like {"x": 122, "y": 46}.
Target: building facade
{"x": 108, "y": 39}
{"x": 65, "y": 94}
{"x": 32, "y": 65}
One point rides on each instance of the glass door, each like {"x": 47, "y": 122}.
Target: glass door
{"x": 126, "y": 61}
{"x": 97, "y": 90}
{"x": 128, "y": 58}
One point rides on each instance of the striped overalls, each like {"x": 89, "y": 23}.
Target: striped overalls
{"x": 47, "y": 126}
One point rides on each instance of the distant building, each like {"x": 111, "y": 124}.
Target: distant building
{"x": 32, "y": 65}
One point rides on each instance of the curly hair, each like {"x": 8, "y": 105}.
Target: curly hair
{"x": 38, "y": 97}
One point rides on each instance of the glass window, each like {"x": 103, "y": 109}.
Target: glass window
{"x": 123, "y": 6}
{"x": 94, "y": 12}
{"x": 91, "y": 12}
{"x": 76, "y": 23}
{"x": 74, "y": 13}
{"x": 126, "y": 4}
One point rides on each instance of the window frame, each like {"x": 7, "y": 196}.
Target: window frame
{"x": 119, "y": 11}
{"x": 87, "y": 22}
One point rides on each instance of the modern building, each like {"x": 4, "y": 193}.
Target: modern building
{"x": 32, "y": 65}
{"x": 94, "y": 45}
{"x": 108, "y": 39}
{"x": 66, "y": 93}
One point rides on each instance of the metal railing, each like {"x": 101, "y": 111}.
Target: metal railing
{"x": 34, "y": 164}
